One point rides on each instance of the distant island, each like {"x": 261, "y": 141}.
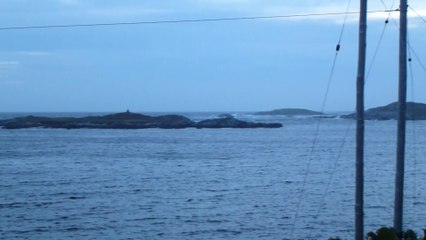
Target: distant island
{"x": 415, "y": 111}
{"x": 291, "y": 112}
{"x": 129, "y": 120}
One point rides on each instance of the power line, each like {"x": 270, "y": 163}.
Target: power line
{"x": 178, "y": 21}
{"x": 376, "y": 51}
{"x": 344, "y": 23}
{"x": 417, "y": 57}
{"x": 413, "y": 111}
{"x": 333, "y": 171}
{"x": 418, "y": 15}
{"x": 316, "y": 135}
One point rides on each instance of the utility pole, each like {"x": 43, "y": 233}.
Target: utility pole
{"x": 359, "y": 189}
{"x": 402, "y": 102}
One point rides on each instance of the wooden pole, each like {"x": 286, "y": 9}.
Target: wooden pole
{"x": 359, "y": 189}
{"x": 402, "y": 102}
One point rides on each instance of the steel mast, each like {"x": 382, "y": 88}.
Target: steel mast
{"x": 359, "y": 189}
{"x": 402, "y": 102}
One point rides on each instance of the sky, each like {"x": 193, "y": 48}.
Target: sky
{"x": 250, "y": 65}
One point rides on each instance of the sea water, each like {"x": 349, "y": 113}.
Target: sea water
{"x": 295, "y": 182}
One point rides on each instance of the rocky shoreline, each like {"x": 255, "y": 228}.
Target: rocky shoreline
{"x": 129, "y": 120}
{"x": 291, "y": 112}
{"x": 414, "y": 111}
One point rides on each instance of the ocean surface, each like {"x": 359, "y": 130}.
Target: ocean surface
{"x": 296, "y": 182}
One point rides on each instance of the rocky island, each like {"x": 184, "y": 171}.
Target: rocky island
{"x": 296, "y": 112}
{"x": 415, "y": 111}
{"x": 129, "y": 120}
{"x": 291, "y": 112}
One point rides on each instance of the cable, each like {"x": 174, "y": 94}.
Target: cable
{"x": 413, "y": 216}
{"x": 333, "y": 171}
{"x": 344, "y": 23}
{"x": 418, "y": 15}
{"x": 314, "y": 143}
{"x": 373, "y": 60}
{"x": 409, "y": 44}
{"x": 417, "y": 57}
{"x": 379, "y": 43}
{"x": 384, "y": 4}
{"x": 389, "y": 16}
{"x": 200, "y": 20}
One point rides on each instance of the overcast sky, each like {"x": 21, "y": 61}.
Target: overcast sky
{"x": 210, "y": 66}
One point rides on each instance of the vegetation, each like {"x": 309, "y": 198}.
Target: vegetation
{"x": 389, "y": 233}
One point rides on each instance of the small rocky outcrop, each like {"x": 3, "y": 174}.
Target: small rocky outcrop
{"x": 291, "y": 112}
{"x": 415, "y": 111}
{"x": 228, "y": 121}
{"x": 128, "y": 120}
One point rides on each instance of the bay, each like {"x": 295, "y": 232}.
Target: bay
{"x": 296, "y": 182}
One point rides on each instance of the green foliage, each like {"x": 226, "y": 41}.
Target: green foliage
{"x": 410, "y": 235}
{"x": 386, "y": 233}
{"x": 389, "y": 233}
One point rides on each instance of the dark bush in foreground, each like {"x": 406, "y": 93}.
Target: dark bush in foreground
{"x": 389, "y": 233}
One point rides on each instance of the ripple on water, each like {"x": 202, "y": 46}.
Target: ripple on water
{"x": 192, "y": 184}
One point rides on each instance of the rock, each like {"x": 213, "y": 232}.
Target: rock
{"x": 231, "y": 122}
{"x": 225, "y": 115}
{"x": 415, "y": 111}
{"x": 126, "y": 120}
{"x": 291, "y": 112}
{"x": 129, "y": 120}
